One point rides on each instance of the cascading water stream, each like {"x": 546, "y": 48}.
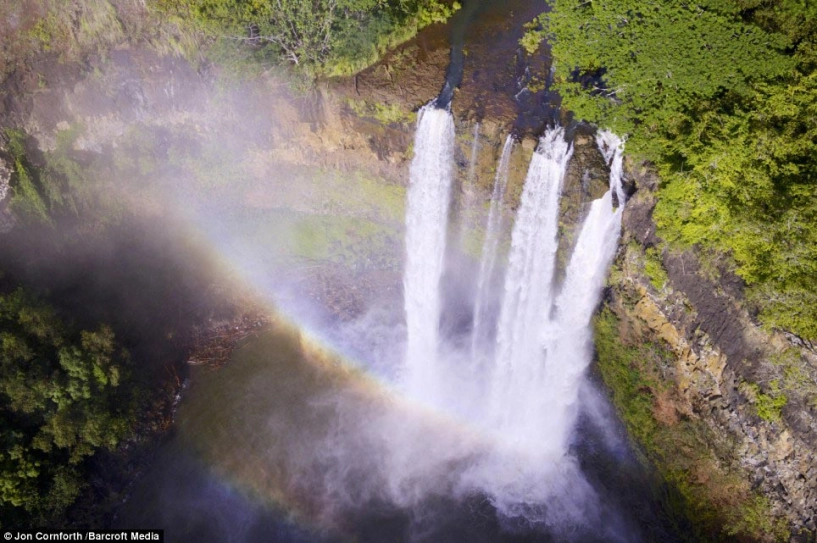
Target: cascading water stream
{"x": 567, "y": 340}
{"x": 482, "y": 334}
{"x": 528, "y": 398}
{"x": 429, "y": 190}
{"x": 516, "y": 406}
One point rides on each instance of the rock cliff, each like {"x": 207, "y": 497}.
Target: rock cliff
{"x": 751, "y": 390}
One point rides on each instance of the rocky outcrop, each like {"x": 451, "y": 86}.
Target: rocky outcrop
{"x": 754, "y": 389}
{"x": 6, "y": 218}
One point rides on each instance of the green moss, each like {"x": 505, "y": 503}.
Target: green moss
{"x": 654, "y": 268}
{"x": 796, "y": 376}
{"x": 629, "y": 384}
{"x": 28, "y": 201}
{"x": 769, "y": 406}
{"x": 383, "y": 113}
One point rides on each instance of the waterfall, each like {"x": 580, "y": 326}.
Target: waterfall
{"x": 522, "y": 386}
{"x": 612, "y": 148}
{"x": 517, "y": 405}
{"x": 482, "y": 333}
{"x": 568, "y": 338}
{"x": 430, "y": 178}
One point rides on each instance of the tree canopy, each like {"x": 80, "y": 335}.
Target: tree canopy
{"x": 60, "y": 403}
{"x": 720, "y": 95}
{"x": 332, "y": 37}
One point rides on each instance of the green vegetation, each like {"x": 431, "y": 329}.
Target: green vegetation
{"x": 654, "y": 268}
{"x": 686, "y": 451}
{"x": 29, "y": 199}
{"x": 63, "y": 397}
{"x": 318, "y": 37}
{"x": 794, "y": 377}
{"x": 382, "y": 113}
{"x": 769, "y": 405}
{"x": 55, "y": 188}
{"x": 721, "y": 95}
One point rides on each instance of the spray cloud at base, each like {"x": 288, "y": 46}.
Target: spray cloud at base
{"x": 524, "y": 364}
{"x": 418, "y": 412}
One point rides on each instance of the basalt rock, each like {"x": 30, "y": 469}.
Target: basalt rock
{"x": 725, "y": 370}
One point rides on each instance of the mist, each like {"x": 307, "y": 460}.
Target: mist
{"x": 207, "y": 198}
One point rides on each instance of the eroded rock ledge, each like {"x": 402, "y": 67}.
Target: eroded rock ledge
{"x": 753, "y": 388}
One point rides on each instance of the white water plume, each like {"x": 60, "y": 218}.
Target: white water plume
{"x": 612, "y": 147}
{"x": 426, "y": 226}
{"x": 569, "y": 342}
{"x": 523, "y": 399}
{"x": 545, "y": 345}
{"x": 516, "y": 405}
{"x": 482, "y": 333}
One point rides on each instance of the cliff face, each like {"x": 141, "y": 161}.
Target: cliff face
{"x": 750, "y": 391}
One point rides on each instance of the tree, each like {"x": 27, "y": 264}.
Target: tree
{"x": 720, "y": 96}
{"x": 326, "y": 36}
{"x": 646, "y": 62}
{"x": 60, "y": 402}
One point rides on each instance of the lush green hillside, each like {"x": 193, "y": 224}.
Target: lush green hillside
{"x": 721, "y": 96}
{"x": 316, "y": 37}
{"x": 327, "y": 37}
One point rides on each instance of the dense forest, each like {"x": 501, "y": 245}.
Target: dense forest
{"x": 721, "y": 96}
{"x": 318, "y": 37}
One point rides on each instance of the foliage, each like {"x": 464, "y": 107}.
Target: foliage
{"x": 654, "y": 268}
{"x": 43, "y": 191}
{"x": 684, "y": 449}
{"x": 796, "y": 378}
{"x": 768, "y": 405}
{"x": 328, "y": 37}
{"x": 61, "y": 402}
{"x": 72, "y": 29}
{"x": 383, "y": 113}
{"x": 648, "y": 61}
{"x": 722, "y": 96}
{"x": 534, "y": 35}
{"x": 27, "y": 202}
